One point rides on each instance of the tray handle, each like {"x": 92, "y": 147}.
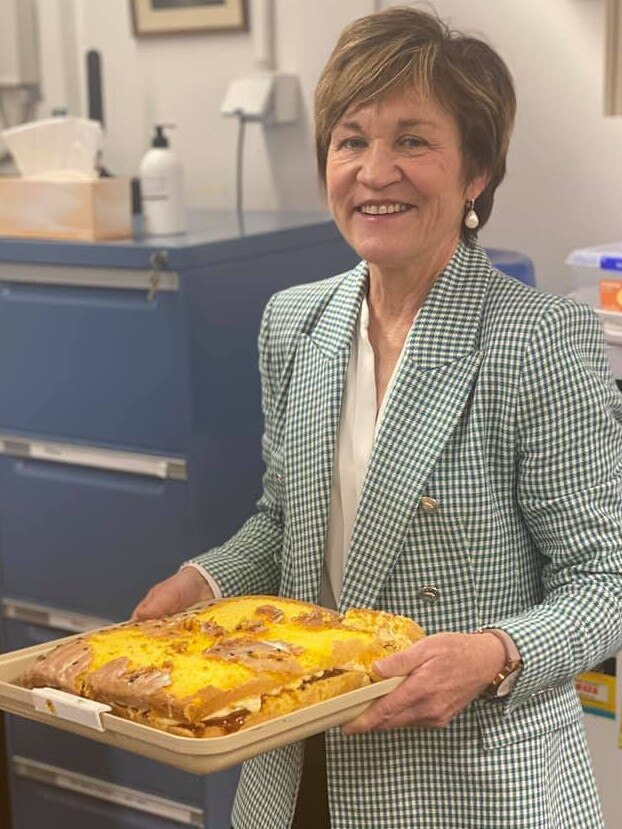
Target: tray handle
{"x": 57, "y": 703}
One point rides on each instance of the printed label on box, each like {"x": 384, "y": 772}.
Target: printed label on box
{"x": 597, "y": 689}
{"x": 611, "y": 294}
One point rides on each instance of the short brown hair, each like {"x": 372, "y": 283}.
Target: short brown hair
{"x": 403, "y": 47}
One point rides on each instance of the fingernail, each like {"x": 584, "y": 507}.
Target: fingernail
{"x": 354, "y": 726}
{"x": 376, "y": 671}
{"x": 347, "y": 731}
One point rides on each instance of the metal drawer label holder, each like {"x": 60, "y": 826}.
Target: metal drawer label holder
{"x": 53, "y": 618}
{"x": 64, "y": 621}
{"x": 159, "y": 278}
{"x": 107, "y": 459}
{"x": 69, "y": 707}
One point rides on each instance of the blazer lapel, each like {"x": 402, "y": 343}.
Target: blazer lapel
{"x": 313, "y": 416}
{"x": 435, "y": 379}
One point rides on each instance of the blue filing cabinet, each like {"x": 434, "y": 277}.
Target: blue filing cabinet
{"x": 130, "y": 428}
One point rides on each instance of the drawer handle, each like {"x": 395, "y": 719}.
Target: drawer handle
{"x": 48, "y": 617}
{"x": 112, "y": 460}
{"x": 109, "y": 792}
{"x": 118, "y": 278}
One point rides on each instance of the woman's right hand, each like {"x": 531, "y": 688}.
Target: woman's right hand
{"x": 185, "y": 588}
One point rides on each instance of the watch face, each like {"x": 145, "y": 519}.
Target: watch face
{"x": 506, "y": 686}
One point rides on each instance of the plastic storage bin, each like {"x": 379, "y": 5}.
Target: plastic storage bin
{"x": 514, "y": 264}
{"x": 594, "y": 268}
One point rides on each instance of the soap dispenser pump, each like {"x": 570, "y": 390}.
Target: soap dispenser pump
{"x": 162, "y": 187}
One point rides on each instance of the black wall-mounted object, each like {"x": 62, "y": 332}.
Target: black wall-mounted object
{"x": 94, "y": 86}
{"x": 95, "y": 96}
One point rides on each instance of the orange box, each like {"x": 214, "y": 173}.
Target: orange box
{"x": 611, "y": 294}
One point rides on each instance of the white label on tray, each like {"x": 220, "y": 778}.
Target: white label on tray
{"x": 57, "y": 703}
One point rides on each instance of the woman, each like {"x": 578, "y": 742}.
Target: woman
{"x": 441, "y": 442}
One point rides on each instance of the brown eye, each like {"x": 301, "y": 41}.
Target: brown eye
{"x": 411, "y": 142}
{"x": 351, "y": 143}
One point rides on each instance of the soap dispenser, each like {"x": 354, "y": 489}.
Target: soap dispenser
{"x": 162, "y": 187}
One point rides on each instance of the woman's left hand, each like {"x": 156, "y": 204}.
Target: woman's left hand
{"x": 443, "y": 673}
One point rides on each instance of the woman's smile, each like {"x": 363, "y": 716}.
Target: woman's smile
{"x": 383, "y": 208}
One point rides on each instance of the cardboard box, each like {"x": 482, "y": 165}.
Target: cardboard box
{"x": 83, "y": 210}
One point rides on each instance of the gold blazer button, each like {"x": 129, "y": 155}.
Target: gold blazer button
{"x": 428, "y": 504}
{"x": 429, "y": 594}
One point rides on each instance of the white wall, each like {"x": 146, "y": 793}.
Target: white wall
{"x": 565, "y": 165}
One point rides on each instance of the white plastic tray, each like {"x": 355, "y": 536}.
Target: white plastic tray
{"x": 607, "y": 256}
{"x": 197, "y": 755}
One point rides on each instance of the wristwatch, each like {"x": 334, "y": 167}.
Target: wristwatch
{"x": 503, "y": 683}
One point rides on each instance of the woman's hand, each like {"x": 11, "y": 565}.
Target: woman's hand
{"x": 444, "y": 672}
{"x": 185, "y": 588}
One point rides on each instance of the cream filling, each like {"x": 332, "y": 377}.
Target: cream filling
{"x": 253, "y": 704}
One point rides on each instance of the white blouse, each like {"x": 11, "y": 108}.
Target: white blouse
{"x": 358, "y": 427}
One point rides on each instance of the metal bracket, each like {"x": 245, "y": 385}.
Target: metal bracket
{"x": 159, "y": 263}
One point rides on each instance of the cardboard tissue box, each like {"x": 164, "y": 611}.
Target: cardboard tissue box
{"x": 59, "y": 195}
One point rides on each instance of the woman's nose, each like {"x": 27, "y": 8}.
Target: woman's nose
{"x": 379, "y": 168}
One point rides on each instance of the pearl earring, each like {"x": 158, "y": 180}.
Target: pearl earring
{"x": 471, "y": 220}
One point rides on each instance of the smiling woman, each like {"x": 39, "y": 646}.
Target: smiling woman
{"x": 443, "y": 443}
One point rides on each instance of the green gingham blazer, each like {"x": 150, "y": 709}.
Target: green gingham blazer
{"x": 505, "y": 412}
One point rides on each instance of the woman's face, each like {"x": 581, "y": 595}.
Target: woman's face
{"x": 395, "y": 181}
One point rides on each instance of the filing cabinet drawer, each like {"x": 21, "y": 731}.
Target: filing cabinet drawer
{"x": 85, "y": 539}
{"x": 59, "y": 748}
{"x": 91, "y": 364}
{"x": 46, "y": 795}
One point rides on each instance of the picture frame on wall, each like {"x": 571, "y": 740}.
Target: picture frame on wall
{"x": 162, "y": 17}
